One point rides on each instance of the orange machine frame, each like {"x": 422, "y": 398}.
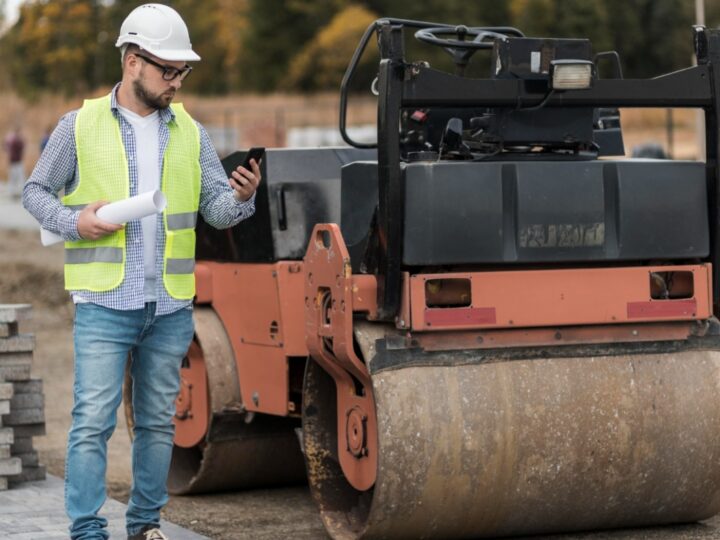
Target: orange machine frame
{"x": 535, "y": 298}
{"x": 532, "y": 302}
{"x": 274, "y": 312}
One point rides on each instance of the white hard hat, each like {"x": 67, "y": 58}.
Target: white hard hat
{"x": 160, "y": 30}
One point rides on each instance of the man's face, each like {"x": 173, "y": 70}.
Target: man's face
{"x": 148, "y": 83}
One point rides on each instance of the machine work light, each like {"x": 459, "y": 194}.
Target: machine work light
{"x": 571, "y": 74}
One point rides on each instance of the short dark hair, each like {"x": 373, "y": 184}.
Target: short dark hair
{"x": 128, "y": 48}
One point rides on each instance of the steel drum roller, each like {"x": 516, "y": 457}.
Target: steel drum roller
{"x": 527, "y": 447}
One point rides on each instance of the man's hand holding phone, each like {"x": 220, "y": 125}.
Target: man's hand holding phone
{"x": 246, "y": 178}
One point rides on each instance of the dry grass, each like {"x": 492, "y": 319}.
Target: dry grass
{"x": 264, "y": 120}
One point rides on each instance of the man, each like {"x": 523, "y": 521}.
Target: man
{"x": 132, "y": 285}
{"x": 15, "y": 146}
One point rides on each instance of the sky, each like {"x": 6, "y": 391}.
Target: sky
{"x": 11, "y": 10}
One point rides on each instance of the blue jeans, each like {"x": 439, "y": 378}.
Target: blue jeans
{"x": 103, "y": 339}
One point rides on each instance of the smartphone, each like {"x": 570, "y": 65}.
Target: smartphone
{"x": 256, "y": 153}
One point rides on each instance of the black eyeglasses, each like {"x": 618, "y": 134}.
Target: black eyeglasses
{"x": 169, "y": 73}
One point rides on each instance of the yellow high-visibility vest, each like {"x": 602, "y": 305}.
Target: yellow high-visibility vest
{"x": 99, "y": 265}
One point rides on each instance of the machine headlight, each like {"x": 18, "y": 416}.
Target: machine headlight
{"x": 571, "y": 74}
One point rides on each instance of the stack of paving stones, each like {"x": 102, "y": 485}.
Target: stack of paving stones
{"x": 22, "y": 414}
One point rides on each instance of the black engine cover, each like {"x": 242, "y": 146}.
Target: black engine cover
{"x": 539, "y": 212}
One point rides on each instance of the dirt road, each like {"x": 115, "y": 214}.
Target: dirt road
{"x": 30, "y": 273}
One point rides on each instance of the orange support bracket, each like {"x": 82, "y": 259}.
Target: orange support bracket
{"x": 329, "y": 295}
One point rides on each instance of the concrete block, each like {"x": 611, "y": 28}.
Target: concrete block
{"x": 28, "y": 474}
{"x": 3, "y": 483}
{"x": 6, "y": 390}
{"x": 21, "y": 445}
{"x": 4, "y": 451}
{"x": 10, "y": 466}
{"x": 15, "y": 312}
{"x": 4, "y": 406}
{"x": 27, "y": 401}
{"x": 30, "y": 430}
{"x": 14, "y": 373}
{"x": 19, "y": 343}
{"x": 6, "y": 435}
{"x": 15, "y": 358}
{"x": 23, "y": 417}
{"x": 8, "y": 329}
{"x": 28, "y": 460}
{"x": 33, "y": 386}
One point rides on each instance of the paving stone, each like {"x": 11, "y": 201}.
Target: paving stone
{"x": 6, "y": 390}
{"x": 8, "y": 329}
{"x": 27, "y": 474}
{"x": 19, "y": 343}
{"x": 30, "y": 430}
{"x": 23, "y": 531}
{"x": 41, "y": 505}
{"x": 32, "y": 386}
{"x": 4, "y": 406}
{"x": 15, "y": 358}
{"x": 27, "y": 401}
{"x": 23, "y": 416}
{"x": 28, "y": 460}
{"x": 6, "y": 435}
{"x": 14, "y": 373}
{"x": 10, "y": 466}
{"x": 40, "y": 535}
{"x": 15, "y": 312}
{"x": 21, "y": 445}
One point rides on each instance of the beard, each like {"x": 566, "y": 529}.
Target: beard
{"x": 154, "y": 101}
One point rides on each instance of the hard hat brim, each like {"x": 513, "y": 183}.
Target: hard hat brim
{"x": 171, "y": 55}
{"x": 176, "y": 55}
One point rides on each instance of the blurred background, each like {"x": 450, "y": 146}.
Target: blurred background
{"x": 271, "y": 69}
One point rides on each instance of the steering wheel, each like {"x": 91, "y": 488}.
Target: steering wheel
{"x": 455, "y": 40}
{"x": 434, "y": 36}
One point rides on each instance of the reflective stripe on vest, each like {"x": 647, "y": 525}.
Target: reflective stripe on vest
{"x": 180, "y": 266}
{"x": 182, "y": 221}
{"x": 99, "y": 265}
{"x": 89, "y": 255}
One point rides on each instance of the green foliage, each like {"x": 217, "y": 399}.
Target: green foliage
{"x": 321, "y": 63}
{"x": 54, "y": 45}
{"x": 266, "y": 45}
{"x": 564, "y": 19}
{"x": 277, "y": 30}
{"x": 712, "y": 14}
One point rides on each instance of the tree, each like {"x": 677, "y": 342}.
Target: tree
{"x": 320, "y": 65}
{"x": 52, "y": 45}
{"x": 563, "y": 19}
{"x": 712, "y": 14}
{"x": 265, "y": 45}
{"x": 277, "y": 29}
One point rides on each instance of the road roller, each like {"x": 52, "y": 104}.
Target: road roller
{"x": 485, "y": 323}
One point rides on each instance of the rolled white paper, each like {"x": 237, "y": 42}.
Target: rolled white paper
{"x": 119, "y": 212}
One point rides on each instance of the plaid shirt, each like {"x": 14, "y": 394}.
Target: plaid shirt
{"x": 57, "y": 168}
